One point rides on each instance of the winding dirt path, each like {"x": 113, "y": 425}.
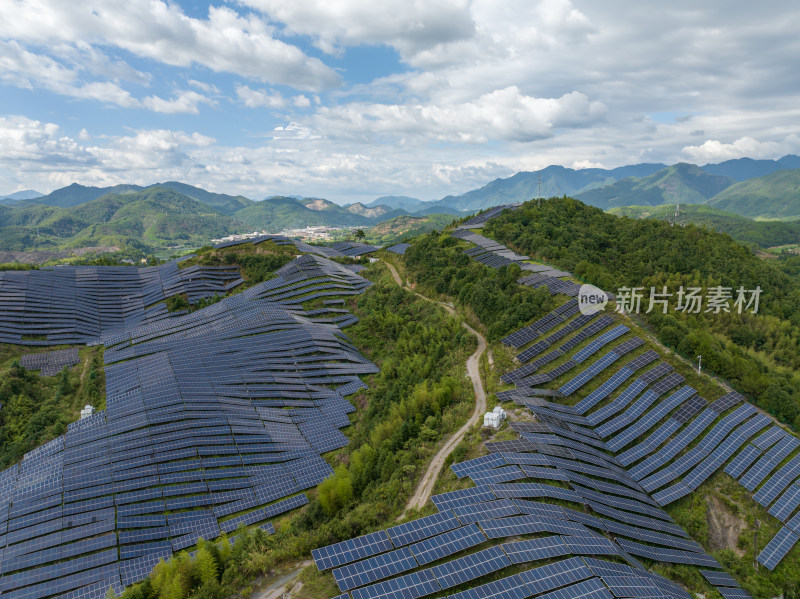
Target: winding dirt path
{"x": 425, "y": 487}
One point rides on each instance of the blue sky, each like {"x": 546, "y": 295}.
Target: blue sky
{"x": 353, "y": 99}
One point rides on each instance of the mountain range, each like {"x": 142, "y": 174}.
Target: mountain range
{"x": 174, "y": 213}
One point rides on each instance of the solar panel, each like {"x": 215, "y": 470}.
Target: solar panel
{"x": 689, "y": 409}
{"x": 410, "y": 586}
{"x": 777, "y": 548}
{"x": 604, "y": 390}
{"x": 536, "y": 549}
{"x": 719, "y": 579}
{"x": 416, "y": 530}
{"x": 726, "y": 402}
{"x": 470, "y": 567}
{"x": 756, "y": 475}
{"x": 351, "y": 550}
{"x": 768, "y": 438}
{"x": 447, "y": 543}
{"x": 743, "y": 461}
{"x": 673, "y": 556}
{"x": 463, "y": 469}
{"x": 778, "y": 482}
{"x": 786, "y": 503}
{"x": 555, "y": 575}
{"x": 733, "y": 593}
{"x": 374, "y": 568}
{"x": 588, "y": 589}
{"x": 631, "y": 586}
{"x": 462, "y": 497}
{"x": 672, "y": 448}
{"x": 511, "y": 587}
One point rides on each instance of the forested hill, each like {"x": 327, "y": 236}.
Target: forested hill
{"x": 762, "y": 233}
{"x": 759, "y": 354}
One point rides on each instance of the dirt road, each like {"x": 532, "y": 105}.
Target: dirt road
{"x": 425, "y": 487}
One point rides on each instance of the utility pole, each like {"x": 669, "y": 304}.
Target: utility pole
{"x": 755, "y": 535}
{"x": 699, "y": 364}
{"x": 539, "y": 193}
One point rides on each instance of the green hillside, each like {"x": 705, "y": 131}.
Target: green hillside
{"x": 422, "y": 394}
{"x": 226, "y": 204}
{"x": 280, "y": 212}
{"x": 76, "y": 194}
{"x": 776, "y": 195}
{"x": 763, "y": 234}
{"x": 684, "y": 183}
{"x": 404, "y": 227}
{"x": 157, "y": 217}
{"x": 551, "y": 181}
{"x": 758, "y": 354}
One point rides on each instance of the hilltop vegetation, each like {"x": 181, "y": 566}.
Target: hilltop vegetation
{"x": 405, "y": 227}
{"x": 773, "y": 196}
{"x": 156, "y": 217}
{"x": 684, "y": 183}
{"x": 762, "y": 234}
{"x": 758, "y": 353}
{"x": 37, "y": 409}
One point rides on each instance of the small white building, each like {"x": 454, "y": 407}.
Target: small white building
{"x": 499, "y": 410}
{"x": 87, "y": 411}
{"x": 492, "y": 420}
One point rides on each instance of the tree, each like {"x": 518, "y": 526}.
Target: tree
{"x": 205, "y": 566}
{"x": 359, "y": 234}
{"x": 336, "y": 491}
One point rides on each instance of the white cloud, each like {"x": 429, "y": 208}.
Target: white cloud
{"x": 485, "y": 89}
{"x": 204, "y": 86}
{"x": 183, "y": 102}
{"x": 409, "y": 26}
{"x": 259, "y": 98}
{"x": 301, "y": 101}
{"x": 25, "y": 69}
{"x": 39, "y": 145}
{"x": 713, "y": 150}
{"x": 225, "y": 42}
{"x": 505, "y": 114}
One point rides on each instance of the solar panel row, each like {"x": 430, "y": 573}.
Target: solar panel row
{"x": 214, "y": 419}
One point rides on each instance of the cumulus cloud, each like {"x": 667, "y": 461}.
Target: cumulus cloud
{"x": 407, "y": 26}
{"x": 26, "y": 69}
{"x": 259, "y": 98}
{"x": 183, "y": 102}
{"x": 484, "y": 89}
{"x": 224, "y": 42}
{"x": 505, "y": 114}
{"x": 713, "y": 150}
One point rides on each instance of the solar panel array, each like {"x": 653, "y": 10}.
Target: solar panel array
{"x": 481, "y": 219}
{"x": 656, "y": 429}
{"x": 213, "y": 419}
{"x": 496, "y": 255}
{"x": 81, "y": 304}
{"x": 399, "y": 248}
{"x": 300, "y": 246}
{"x": 50, "y": 363}
{"x": 521, "y": 374}
{"x": 353, "y": 249}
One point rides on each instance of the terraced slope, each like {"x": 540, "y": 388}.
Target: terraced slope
{"x": 214, "y": 419}
{"x": 616, "y": 434}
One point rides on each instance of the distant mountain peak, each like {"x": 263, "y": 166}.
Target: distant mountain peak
{"x": 25, "y": 194}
